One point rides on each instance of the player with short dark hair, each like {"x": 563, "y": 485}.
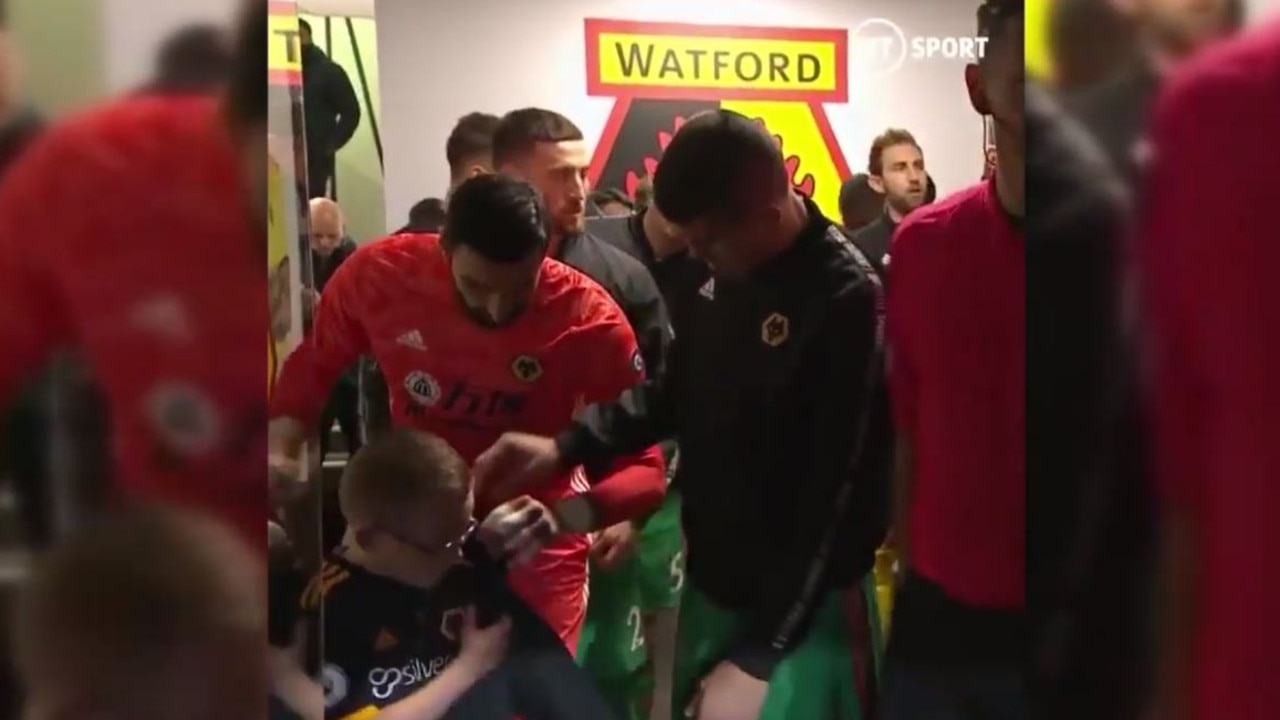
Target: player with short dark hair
{"x": 724, "y": 171}
{"x": 426, "y": 216}
{"x": 959, "y": 639}
{"x": 776, "y": 399}
{"x": 516, "y": 145}
{"x": 175, "y": 338}
{"x": 479, "y": 333}
{"x": 520, "y": 132}
{"x": 500, "y": 219}
{"x": 546, "y": 149}
{"x": 469, "y": 148}
{"x": 860, "y": 204}
{"x": 147, "y": 613}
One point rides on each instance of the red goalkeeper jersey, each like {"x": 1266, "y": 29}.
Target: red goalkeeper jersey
{"x": 450, "y": 376}
{"x": 125, "y": 235}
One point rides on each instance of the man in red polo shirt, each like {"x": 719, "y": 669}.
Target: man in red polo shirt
{"x": 1215, "y": 325}
{"x": 957, "y": 381}
{"x": 134, "y": 234}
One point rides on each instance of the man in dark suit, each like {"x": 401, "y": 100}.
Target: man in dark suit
{"x": 332, "y": 111}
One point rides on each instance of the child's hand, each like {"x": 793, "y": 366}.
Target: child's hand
{"x": 483, "y": 649}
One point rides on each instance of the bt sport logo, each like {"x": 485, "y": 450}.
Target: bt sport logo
{"x": 879, "y": 47}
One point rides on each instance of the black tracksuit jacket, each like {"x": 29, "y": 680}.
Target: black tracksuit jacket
{"x": 774, "y": 391}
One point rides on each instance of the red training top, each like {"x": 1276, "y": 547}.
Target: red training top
{"x": 956, "y": 322}
{"x": 125, "y": 233}
{"x": 448, "y": 375}
{"x": 1209, "y": 252}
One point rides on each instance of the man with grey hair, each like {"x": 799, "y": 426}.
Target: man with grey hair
{"x": 330, "y": 247}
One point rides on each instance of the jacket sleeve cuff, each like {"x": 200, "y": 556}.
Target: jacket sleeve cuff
{"x": 756, "y": 659}
{"x": 571, "y": 444}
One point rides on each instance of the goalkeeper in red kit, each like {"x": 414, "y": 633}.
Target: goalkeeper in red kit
{"x": 478, "y": 333}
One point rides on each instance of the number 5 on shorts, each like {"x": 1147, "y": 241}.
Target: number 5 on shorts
{"x": 677, "y": 572}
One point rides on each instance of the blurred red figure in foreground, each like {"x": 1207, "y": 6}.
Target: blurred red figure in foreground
{"x": 134, "y": 235}
{"x": 1215, "y": 321}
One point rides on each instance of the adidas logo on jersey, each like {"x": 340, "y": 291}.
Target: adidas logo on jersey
{"x": 708, "y": 290}
{"x": 412, "y": 339}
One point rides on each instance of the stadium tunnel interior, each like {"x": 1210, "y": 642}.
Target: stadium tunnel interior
{"x": 379, "y": 112}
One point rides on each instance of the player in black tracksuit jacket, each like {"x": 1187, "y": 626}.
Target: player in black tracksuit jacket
{"x": 774, "y": 390}
{"x": 770, "y": 380}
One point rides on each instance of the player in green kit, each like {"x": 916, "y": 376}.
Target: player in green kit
{"x": 661, "y": 583}
{"x": 621, "y": 643}
{"x": 612, "y": 647}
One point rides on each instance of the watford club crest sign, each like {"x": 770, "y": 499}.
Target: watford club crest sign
{"x": 662, "y": 73}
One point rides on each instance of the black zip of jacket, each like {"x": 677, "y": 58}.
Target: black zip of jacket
{"x": 775, "y": 394}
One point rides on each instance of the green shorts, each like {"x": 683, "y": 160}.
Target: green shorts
{"x": 662, "y": 557}
{"x": 612, "y": 644}
{"x": 831, "y": 674}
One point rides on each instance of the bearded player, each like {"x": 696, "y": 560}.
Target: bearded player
{"x": 134, "y": 234}
{"x": 479, "y": 333}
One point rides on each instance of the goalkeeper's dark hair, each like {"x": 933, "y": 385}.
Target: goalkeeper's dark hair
{"x": 719, "y": 165}
{"x": 247, "y": 90}
{"x": 499, "y": 217}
